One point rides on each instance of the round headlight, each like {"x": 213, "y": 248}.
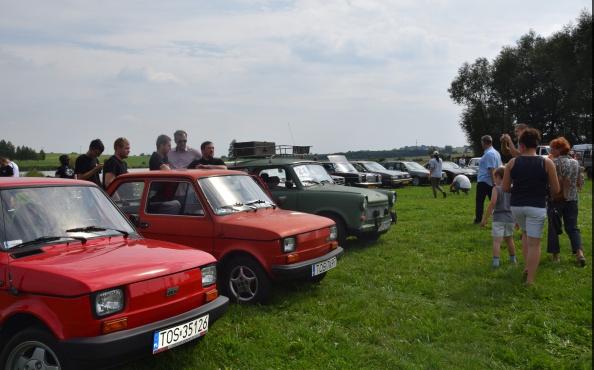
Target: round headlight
{"x": 288, "y": 245}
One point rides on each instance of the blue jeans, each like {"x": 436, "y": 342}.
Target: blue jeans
{"x": 569, "y": 215}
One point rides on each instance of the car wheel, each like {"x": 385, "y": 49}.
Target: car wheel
{"x": 416, "y": 181}
{"x": 32, "y": 348}
{"x": 340, "y": 227}
{"x": 245, "y": 281}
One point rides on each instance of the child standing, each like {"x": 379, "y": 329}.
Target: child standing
{"x": 503, "y": 221}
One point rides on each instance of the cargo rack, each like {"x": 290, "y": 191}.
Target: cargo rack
{"x": 241, "y": 151}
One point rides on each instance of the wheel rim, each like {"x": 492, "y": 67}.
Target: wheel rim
{"x": 243, "y": 283}
{"x": 32, "y": 355}
{"x": 416, "y": 181}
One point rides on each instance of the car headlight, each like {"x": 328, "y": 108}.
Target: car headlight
{"x": 109, "y": 302}
{"x": 333, "y": 233}
{"x": 364, "y": 204}
{"x": 288, "y": 245}
{"x": 209, "y": 275}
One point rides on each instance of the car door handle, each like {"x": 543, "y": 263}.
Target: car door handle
{"x": 143, "y": 225}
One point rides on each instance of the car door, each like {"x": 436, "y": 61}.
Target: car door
{"x": 281, "y": 183}
{"x": 172, "y": 211}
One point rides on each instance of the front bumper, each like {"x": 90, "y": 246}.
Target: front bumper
{"x": 303, "y": 269}
{"x": 116, "y": 348}
{"x": 368, "y": 184}
{"x": 400, "y": 182}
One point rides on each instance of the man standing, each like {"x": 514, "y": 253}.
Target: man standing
{"x": 182, "y": 155}
{"x": 208, "y": 161}
{"x": 490, "y": 160}
{"x": 159, "y": 159}
{"x": 435, "y": 169}
{"x": 87, "y": 165}
{"x": 115, "y": 165}
{"x": 507, "y": 145}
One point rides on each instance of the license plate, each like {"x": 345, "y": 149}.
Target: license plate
{"x": 180, "y": 334}
{"x": 321, "y": 267}
{"x": 385, "y": 225}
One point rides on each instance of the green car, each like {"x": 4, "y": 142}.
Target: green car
{"x": 305, "y": 186}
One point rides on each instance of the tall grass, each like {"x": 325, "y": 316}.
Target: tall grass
{"x": 424, "y": 296}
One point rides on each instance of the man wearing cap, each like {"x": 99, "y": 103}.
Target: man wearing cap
{"x": 490, "y": 160}
{"x": 435, "y": 168}
{"x": 182, "y": 155}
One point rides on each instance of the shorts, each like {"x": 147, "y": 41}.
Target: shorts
{"x": 502, "y": 229}
{"x": 530, "y": 219}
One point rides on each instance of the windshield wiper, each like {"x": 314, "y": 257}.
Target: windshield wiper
{"x": 96, "y": 228}
{"x": 47, "y": 239}
{"x": 260, "y": 201}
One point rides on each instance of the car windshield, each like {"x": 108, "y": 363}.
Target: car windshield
{"x": 450, "y": 165}
{"x": 414, "y": 166}
{"x": 345, "y": 167}
{"x": 374, "y": 166}
{"x": 58, "y": 212}
{"x": 235, "y": 193}
{"x": 312, "y": 174}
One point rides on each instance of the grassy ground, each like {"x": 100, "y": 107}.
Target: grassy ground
{"x": 424, "y": 296}
{"x": 51, "y": 162}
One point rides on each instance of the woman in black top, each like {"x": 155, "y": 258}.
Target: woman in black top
{"x": 530, "y": 178}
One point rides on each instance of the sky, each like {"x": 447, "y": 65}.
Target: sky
{"x": 338, "y": 75}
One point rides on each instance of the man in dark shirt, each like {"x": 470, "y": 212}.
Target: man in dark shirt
{"x": 5, "y": 169}
{"x": 115, "y": 165}
{"x": 65, "y": 171}
{"x": 87, "y": 166}
{"x": 159, "y": 160}
{"x": 208, "y": 161}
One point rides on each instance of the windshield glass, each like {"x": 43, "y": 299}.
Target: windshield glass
{"x": 345, "y": 167}
{"x": 414, "y": 166}
{"x": 311, "y": 174}
{"x": 450, "y": 165}
{"x": 230, "y": 194}
{"x": 32, "y": 213}
{"x": 374, "y": 166}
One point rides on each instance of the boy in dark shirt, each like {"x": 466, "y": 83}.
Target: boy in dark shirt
{"x": 87, "y": 166}
{"x": 208, "y": 161}
{"x": 65, "y": 171}
{"x": 115, "y": 165}
{"x": 159, "y": 159}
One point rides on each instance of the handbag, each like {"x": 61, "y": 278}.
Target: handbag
{"x": 554, "y": 215}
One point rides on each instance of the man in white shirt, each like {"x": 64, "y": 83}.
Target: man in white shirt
{"x": 460, "y": 183}
{"x": 15, "y": 169}
{"x": 182, "y": 155}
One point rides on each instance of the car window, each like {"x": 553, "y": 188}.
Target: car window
{"x": 128, "y": 196}
{"x": 276, "y": 178}
{"x": 176, "y": 198}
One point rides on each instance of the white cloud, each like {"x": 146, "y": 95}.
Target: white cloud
{"x": 147, "y": 74}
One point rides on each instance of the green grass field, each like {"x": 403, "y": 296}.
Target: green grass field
{"x": 51, "y": 162}
{"x": 424, "y": 296}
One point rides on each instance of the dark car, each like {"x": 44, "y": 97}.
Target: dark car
{"x": 419, "y": 174}
{"x": 338, "y": 165}
{"x": 390, "y": 178}
{"x": 451, "y": 170}
{"x": 305, "y": 186}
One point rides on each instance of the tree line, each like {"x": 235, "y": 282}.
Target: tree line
{"x": 543, "y": 82}
{"x": 7, "y": 149}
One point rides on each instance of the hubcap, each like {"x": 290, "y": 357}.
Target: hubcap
{"x": 32, "y": 355}
{"x": 243, "y": 283}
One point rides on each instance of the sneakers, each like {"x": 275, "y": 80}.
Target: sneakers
{"x": 581, "y": 261}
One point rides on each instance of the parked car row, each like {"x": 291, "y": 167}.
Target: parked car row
{"x": 88, "y": 281}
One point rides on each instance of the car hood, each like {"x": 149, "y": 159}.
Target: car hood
{"x": 395, "y": 173}
{"x": 75, "y": 269}
{"x": 373, "y": 196}
{"x": 269, "y": 224}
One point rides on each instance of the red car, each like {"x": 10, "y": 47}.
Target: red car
{"x": 227, "y": 214}
{"x": 80, "y": 288}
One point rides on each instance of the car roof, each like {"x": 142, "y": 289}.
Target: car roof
{"x": 39, "y": 181}
{"x": 194, "y": 174}
{"x": 260, "y": 162}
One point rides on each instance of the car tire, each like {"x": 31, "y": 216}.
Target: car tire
{"x": 37, "y": 347}
{"x": 416, "y": 181}
{"x": 245, "y": 281}
{"x": 340, "y": 227}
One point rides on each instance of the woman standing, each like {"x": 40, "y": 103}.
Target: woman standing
{"x": 533, "y": 178}
{"x": 570, "y": 181}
